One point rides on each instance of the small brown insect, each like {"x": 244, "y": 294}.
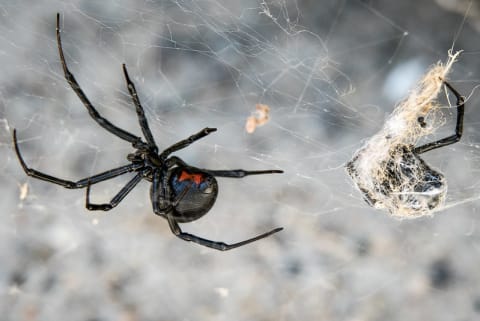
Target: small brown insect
{"x": 258, "y": 118}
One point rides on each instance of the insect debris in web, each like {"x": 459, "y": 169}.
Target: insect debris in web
{"x": 388, "y": 169}
{"x": 258, "y": 118}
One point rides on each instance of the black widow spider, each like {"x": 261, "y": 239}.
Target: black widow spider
{"x": 179, "y": 193}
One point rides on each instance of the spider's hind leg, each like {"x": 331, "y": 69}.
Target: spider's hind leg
{"x": 213, "y": 244}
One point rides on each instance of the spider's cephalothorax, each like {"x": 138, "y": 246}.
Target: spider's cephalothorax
{"x": 404, "y": 183}
{"x": 179, "y": 192}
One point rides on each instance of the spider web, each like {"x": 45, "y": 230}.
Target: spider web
{"x": 329, "y": 71}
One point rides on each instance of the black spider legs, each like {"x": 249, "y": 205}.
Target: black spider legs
{"x": 213, "y": 244}
{"x": 240, "y": 173}
{"x": 146, "y": 130}
{"x": 236, "y": 173}
{"x": 70, "y": 184}
{"x": 232, "y": 173}
{"x": 140, "y": 112}
{"x": 458, "y": 129}
{"x": 117, "y": 198}
{"x": 123, "y": 134}
{"x": 186, "y": 142}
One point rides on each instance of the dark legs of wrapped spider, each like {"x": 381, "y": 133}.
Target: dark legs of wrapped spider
{"x": 180, "y": 193}
{"x": 458, "y": 129}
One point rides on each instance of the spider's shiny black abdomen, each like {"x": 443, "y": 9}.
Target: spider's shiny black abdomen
{"x": 200, "y": 191}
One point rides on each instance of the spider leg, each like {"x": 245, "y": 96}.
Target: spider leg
{"x": 116, "y": 199}
{"x": 186, "y": 142}
{"x": 233, "y": 173}
{"x": 70, "y": 184}
{"x": 458, "y": 129}
{"x": 140, "y": 112}
{"x": 240, "y": 173}
{"x": 213, "y": 244}
{"x": 91, "y": 110}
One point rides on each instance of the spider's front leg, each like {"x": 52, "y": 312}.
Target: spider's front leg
{"x": 70, "y": 78}
{"x": 140, "y": 112}
{"x": 186, "y": 142}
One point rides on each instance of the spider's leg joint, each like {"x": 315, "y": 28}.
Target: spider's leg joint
{"x": 139, "y": 144}
{"x": 87, "y": 197}
{"x": 58, "y": 21}
{"x": 26, "y": 169}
